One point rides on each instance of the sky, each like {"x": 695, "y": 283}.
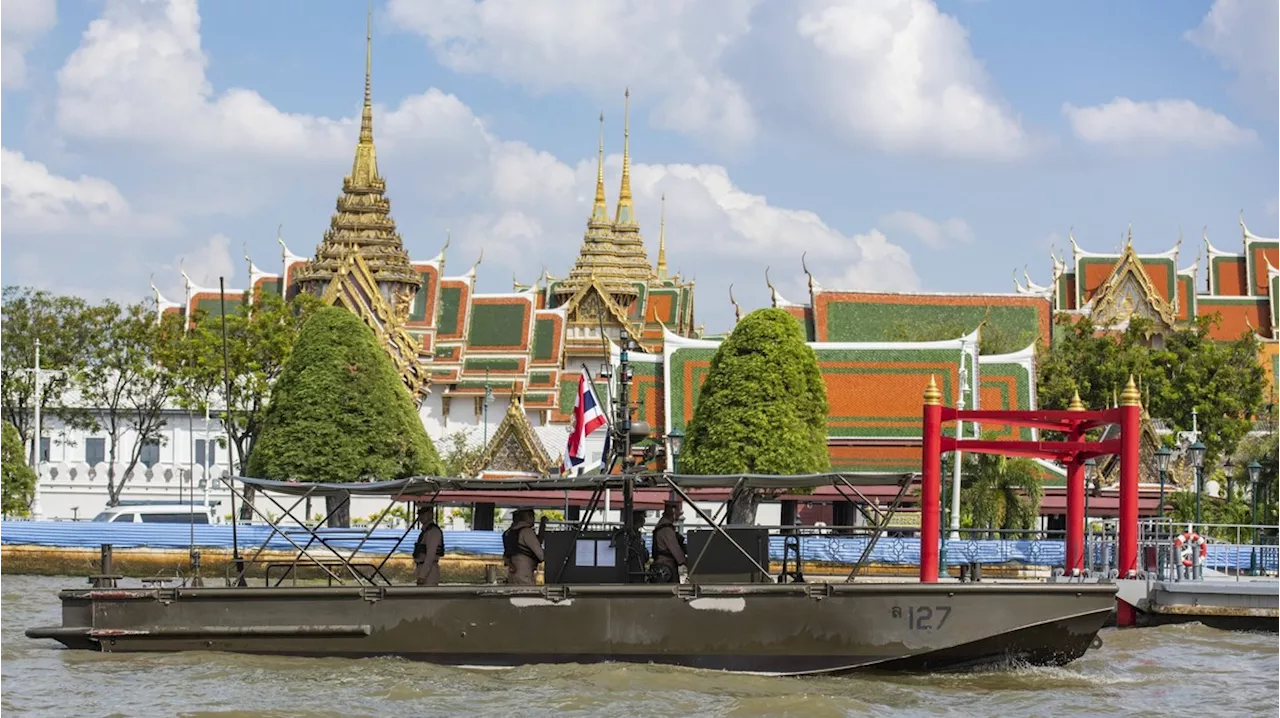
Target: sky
{"x": 904, "y": 145}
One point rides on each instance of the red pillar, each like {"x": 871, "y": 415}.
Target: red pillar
{"x": 1075, "y": 502}
{"x": 1127, "y": 553}
{"x": 930, "y": 483}
{"x": 1075, "y": 515}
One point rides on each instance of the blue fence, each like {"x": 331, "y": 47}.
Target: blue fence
{"x": 833, "y": 549}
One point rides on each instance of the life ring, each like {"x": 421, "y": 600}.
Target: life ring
{"x": 1182, "y": 545}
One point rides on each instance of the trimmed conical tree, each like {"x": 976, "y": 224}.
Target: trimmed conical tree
{"x": 339, "y": 412}
{"x": 763, "y": 408}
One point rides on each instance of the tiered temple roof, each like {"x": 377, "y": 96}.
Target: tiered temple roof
{"x": 1241, "y": 288}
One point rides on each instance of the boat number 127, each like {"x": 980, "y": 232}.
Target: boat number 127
{"x": 923, "y": 618}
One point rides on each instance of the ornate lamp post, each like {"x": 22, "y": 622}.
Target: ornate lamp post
{"x": 1196, "y": 451}
{"x": 676, "y": 439}
{"x": 1163, "y": 456}
{"x": 488, "y": 399}
{"x": 1255, "y": 473}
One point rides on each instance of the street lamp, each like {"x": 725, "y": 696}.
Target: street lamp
{"x": 676, "y": 437}
{"x": 1229, "y": 468}
{"x": 1255, "y": 473}
{"x": 488, "y": 399}
{"x": 1196, "y": 451}
{"x": 1163, "y": 457}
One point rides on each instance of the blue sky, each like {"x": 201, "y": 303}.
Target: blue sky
{"x": 903, "y": 144}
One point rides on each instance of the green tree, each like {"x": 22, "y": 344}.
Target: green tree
{"x": 763, "y": 408}
{"x": 64, "y": 330}
{"x": 998, "y": 492}
{"x": 125, "y": 383}
{"x": 1221, "y": 381}
{"x": 19, "y": 479}
{"x": 460, "y": 457}
{"x": 339, "y": 412}
{"x": 260, "y": 338}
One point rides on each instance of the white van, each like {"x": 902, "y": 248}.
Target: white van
{"x": 158, "y": 513}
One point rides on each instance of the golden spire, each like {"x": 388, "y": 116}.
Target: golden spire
{"x": 600, "y": 210}
{"x": 1076, "y": 403}
{"x": 1130, "y": 395}
{"x": 625, "y": 215}
{"x": 932, "y": 396}
{"x": 364, "y": 171}
{"x": 662, "y": 240}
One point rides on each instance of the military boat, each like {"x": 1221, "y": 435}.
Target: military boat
{"x": 597, "y": 603}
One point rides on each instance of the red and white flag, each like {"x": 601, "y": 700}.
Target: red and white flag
{"x": 587, "y": 417}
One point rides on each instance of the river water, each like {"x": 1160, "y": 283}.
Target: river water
{"x": 1170, "y": 671}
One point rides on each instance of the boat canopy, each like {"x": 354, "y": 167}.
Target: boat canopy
{"x": 417, "y": 486}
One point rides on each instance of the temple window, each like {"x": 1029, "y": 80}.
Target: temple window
{"x": 150, "y": 454}
{"x": 95, "y": 451}
{"x": 206, "y": 454}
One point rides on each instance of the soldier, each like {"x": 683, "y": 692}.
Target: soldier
{"x": 631, "y": 548}
{"x": 429, "y": 547}
{"x": 668, "y": 545}
{"x": 521, "y": 549}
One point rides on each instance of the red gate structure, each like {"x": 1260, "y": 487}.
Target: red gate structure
{"x": 1072, "y": 453}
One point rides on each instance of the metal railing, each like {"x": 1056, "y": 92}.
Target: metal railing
{"x": 1171, "y": 551}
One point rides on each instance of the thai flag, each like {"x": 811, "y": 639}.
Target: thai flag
{"x": 587, "y": 417}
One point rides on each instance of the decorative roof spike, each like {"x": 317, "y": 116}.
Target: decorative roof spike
{"x": 662, "y": 240}
{"x": 365, "y": 168}
{"x": 1076, "y": 403}
{"x": 626, "y": 213}
{"x": 1129, "y": 239}
{"x": 737, "y": 310}
{"x": 932, "y": 396}
{"x": 600, "y": 210}
{"x": 1130, "y": 395}
{"x": 773, "y": 293}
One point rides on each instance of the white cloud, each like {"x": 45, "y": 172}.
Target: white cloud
{"x": 1242, "y": 35}
{"x": 670, "y": 50}
{"x": 1155, "y": 124}
{"x": 895, "y": 74}
{"x": 901, "y": 75}
{"x": 22, "y": 22}
{"x": 138, "y": 80}
{"x": 934, "y": 234}
{"x": 37, "y": 201}
{"x": 139, "y": 74}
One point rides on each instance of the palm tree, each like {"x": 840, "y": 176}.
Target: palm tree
{"x": 999, "y": 492}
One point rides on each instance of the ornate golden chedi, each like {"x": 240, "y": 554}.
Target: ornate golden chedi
{"x": 361, "y": 263}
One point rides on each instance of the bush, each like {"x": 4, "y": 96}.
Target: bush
{"x": 339, "y": 411}
{"x": 763, "y": 408}
{"x": 19, "y": 479}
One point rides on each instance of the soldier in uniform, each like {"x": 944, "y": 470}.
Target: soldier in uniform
{"x": 521, "y": 549}
{"x": 630, "y": 547}
{"x": 429, "y": 547}
{"x": 668, "y": 545}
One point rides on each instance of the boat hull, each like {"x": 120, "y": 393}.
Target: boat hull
{"x": 793, "y": 629}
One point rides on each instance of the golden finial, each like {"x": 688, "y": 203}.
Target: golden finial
{"x": 932, "y": 396}
{"x": 364, "y": 171}
{"x": 662, "y": 240}
{"x": 625, "y": 215}
{"x": 1130, "y": 395}
{"x": 600, "y": 210}
{"x": 737, "y": 310}
{"x": 1076, "y": 403}
{"x": 1129, "y": 239}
